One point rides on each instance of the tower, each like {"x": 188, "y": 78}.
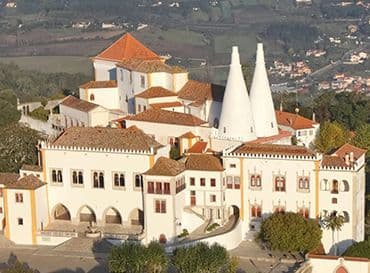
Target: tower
{"x": 261, "y": 99}
{"x": 236, "y": 120}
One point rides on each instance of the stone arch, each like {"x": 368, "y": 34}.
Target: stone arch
{"x": 136, "y": 217}
{"x": 112, "y": 216}
{"x": 24, "y": 110}
{"x": 61, "y": 212}
{"x": 86, "y": 214}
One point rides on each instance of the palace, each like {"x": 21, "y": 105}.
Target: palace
{"x": 108, "y": 172}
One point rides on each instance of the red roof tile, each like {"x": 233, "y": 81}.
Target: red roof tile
{"x": 127, "y": 47}
{"x": 200, "y": 91}
{"x": 293, "y": 120}
{"x": 169, "y": 117}
{"x": 81, "y": 105}
{"x": 198, "y": 148}
{"x": 166, "y": 167}
{"x": 156, "y": 92}
{"x": 338, "y": 158}
{"x": 273, "y": 149}
{"x": 6, "y": 178}
{"x": 29, "y": 182}
{"x": 265, "y": 140}
{"x": 149, "y": 66}
{"x": 166, "y": 105}
{"x": 99, "y": 84}
{"x": 188, "y": 135}
{"x": 348, "y": 148}
{"x": 204, "y": 162}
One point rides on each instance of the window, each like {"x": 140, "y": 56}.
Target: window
{"x": 334, "y": 186}
{"x": 236, "y": 182}
{"x": 212, "y": 198}
{"x": 344, "y": 185}
{"x": 229, "y": 181}
{"x": 98, "y": 180}
{"x": 334, "y": 200}
{"x": 160, "y": 206}
{"x": 224, "y": 130}
{"x": 131, "y": 77}
{"x": 19, "y": 197}
{"x": 303, "y": 183}
{"x": 346, "y": 217}
{"x": 92, "y": 97}
{"x": 142, "y": 81}
{"x": 139, "y": 108}
{"x": 166, "y": 188}
{"x": 213, "y": 182}
{"x": 121, "y": 70}
{"x": 280, "y": 183}
{"x": 144, "y": 108}
{"x": 202, "y": 182}
{"x": 150, "y": 187}
{"x": 77, "y": 178}
{"x": 118, "y": 180}
{"x": 255, "y": 181}
{"x": 138, "y": 181}
{"x": 279, "y": 209}
{"x": 56, "y": 176}
{"x": 256, "y": 211}
{"x": 20, "y": 221}
{"x": 324, "y": 185}
{"x": 192, "y": 181}
{"x": 305, "y": 212}
{"x": 158, "y": 188}
{"x": 272, "y": 125}
{"x": 232, "y": 165}
{"x": 1, "y": 210}
{"x": 1, "y": 192}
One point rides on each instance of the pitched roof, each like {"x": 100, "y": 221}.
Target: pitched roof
{"x": 273, "y": 149}
{"x": 282, "y": 135}
{"x": 166, "y": 104}
{"x": 156, "y": 92}
{"x": 203, "y": 162}
{"x": 200, "y": 91}
{"x": 32, "y": 168}
{"x": 6, "y": 178}
{"x": 149, "y": 66}
{"x": 168, "y": 117}
{"x": 293, "y": 120}
{"x": 338, "y": 158}
{"x": 29, "y": 182}
{"x": 199, "y": 147}
{"x": 99, "y": 84}
{"x": 166, "y": 167}
{"x": 188, "y": 135}
{"x": 107, "y": 138}
{"x": 127, "y": 47}
{"x": 81, "y": 105}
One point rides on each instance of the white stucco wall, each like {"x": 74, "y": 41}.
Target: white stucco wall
{"x": 104, "y": 70}
{"x": 320, "y": 265}
{"x": 42, "y": 208}
{"x": 107, "y": 97}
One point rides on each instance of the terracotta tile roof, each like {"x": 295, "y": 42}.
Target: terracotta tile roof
{"x": 200, "y": 91}
{"x": 265, "y": 140}
{"x": 32, "y": 168}
{"x": 188, "y": 135}
{"x": 127, "y": 47}
{"x": 6, "y": 178}
{"x": 29, "y": 182}
{"x": 166, "y": 105}
{"x": 204, "y": 162}
{"x": 294, "y": 120}
{"x": 273, "y": 149}
{"x": 99, "y": 84}
{"x": 168, "y": 117}
{"x": 149, "y": 66}
{"x": 107, "y": 138}
{"x": 156, "y": 92}
{"x": 199, "y": 147}
{"x": 337, "y": 159}
{"x": 81, "y": 105}
{"x": 166, "y": 167}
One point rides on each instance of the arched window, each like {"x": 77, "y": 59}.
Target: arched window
{"x": 344, "y": 185}
{"x": 92, "y": 97}
{"x": 138, "y": 181}
{"x": 80, "y": 178}
{"x": 346, "y": 216}
{"x": 256, "y": 211}
{"x": 253, "y": 181}
{"x": 324, "y": 185}
{"x": 280, "y": 183}
{"x": 304, "y": 212}
{"x": 101, "y": 180}
{"x": 258, "y": 181}
{"x": 116, "y": 180}
{"x": 59, "y": 176}
{"x": 96, "y": 179}
{"x": 74, "y": 177}
{"x": 279, "y": 209}
{"x": 54, "y": 176}
{"x": 334, "y": 186}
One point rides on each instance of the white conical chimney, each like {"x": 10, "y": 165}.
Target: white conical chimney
{"x": 236, "y": 121}
{"x": 261, "y": 99}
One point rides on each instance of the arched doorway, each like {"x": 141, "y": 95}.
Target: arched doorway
{"x": 341, "y": 269}
{"x": 162, "y": 239}
{"x": 112, "y": 216}
{"x": 136, "y": 217}
{"x": 60, "y": 212}
{"x": 235, "y": 211}
{"x": 86, "y": 214}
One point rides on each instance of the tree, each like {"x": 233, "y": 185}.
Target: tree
{"x": 331, "y": 136}
{"x": 362, "y": 140}
{"x": 15, "y": 266}
{"x": 334, "y": 222}
{"x": 17, "y": 147}
{"x": 136, "y": 258}
{"x": 290, "y": 232}
{"x": 360, "y": 249}
{"x": 204, "y": 258}
{"x": 8, "y": 105}
{"x": 248, "y": 74}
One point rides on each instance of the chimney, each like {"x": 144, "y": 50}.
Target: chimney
{"x": 313, "y": 116}
{"x": 346, "y": 158}
{"x": 351, "y": 157}
{"x": 281, "y": 106}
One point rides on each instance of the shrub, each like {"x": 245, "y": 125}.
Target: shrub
{"x": 40, "y": 113}
{"x": 184, "y": 233}
{"x": 290, "y": 232}
{"x": 361, "y": 249}
{"x": 212, "y": 226}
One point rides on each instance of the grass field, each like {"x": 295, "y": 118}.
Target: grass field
{"x": 246, "y": 43}
{"x": 52, "y": 64}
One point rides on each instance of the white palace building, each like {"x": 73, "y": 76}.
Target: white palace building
{"x": 109, "y": 170}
